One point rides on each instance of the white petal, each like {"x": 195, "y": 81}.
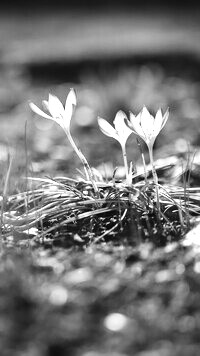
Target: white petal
{"x": 69, "y": 108}
{"x": 165, "y": 118}
{"x": 119, "y": 120}
{"x": 45, "y": 104}
{"x": 107, "y": 129}
{"x": 147, "y": 122}
{"x": 157, "y": 123}
{"x": 132, "y": 117}
{"x": 135, "y": 122}
{"x": 158, "y": 118}
{"x": 71, "y": 98}
{"x": 38, "y": 111}
{"x": 67, "y": 117}
{"x": 128, "y": 123}
{"x": 122, "y": 129}
{"x": 56, "y": 108}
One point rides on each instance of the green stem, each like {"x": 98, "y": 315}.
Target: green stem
{"x": 155, "y": 178}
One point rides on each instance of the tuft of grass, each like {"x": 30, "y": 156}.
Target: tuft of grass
{"x": 62, "y": 208}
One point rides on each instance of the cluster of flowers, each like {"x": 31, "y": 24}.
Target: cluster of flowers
{"x": 144, "y": 125}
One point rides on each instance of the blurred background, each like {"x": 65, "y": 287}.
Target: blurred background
{"x": 117, "y": 55}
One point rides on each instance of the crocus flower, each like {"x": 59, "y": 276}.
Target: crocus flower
{"x": 119, "y": 132}
{"x": 57, "y": 112}
{"x": 62, "y": 115}
{"x": 146, "y": 126}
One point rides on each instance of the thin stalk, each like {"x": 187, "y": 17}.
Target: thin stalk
{"x": 130, "y": 174}
{"x": 155, "y": 178}
{"x": 125, "y": 163}
{"x": 79, "y": 154}
{"x": 143, "y": 161}
{"x": 88, "y": 172}
{"x": 5, "y": 189}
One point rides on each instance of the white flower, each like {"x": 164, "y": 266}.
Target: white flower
{"x": 62, "y": 115}
{"x": 146, "y": 126}
{"x": 57, "y": 112}
{"x": 120, "y": 131}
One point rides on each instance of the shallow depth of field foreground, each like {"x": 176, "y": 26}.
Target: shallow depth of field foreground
{"x": 100, "y": 184}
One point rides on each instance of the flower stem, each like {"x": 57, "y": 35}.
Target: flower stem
{"x": 155, "y": 179}
{"x": 143, "y": 160}
{"x": 125, "y": 163}
{"x": 88, "y": 172}
{"x": 80, "y": 155}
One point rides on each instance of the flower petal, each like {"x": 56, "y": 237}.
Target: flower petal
{"x": 45, "y": 104}
{"x": 38, "y": 111}
{"x": 121, "y": 128}
{"x": 165, "y": 118}
{"x": 136, "y": 127}
{"x": 119, "y": 120}
{"x": 69, "y": 108}
{"x": 107, "y": 129}
{"x": 56, "y": 108}
{"x": 157, "y": 123}
{"x": 146, "y": 122}
{"x": 71, "y": 98}
{"x": 128, "y": 123}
